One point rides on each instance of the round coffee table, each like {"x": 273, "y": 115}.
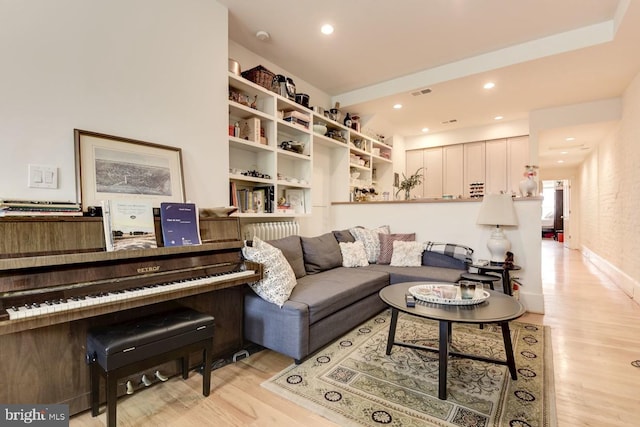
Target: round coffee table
{"x": 498, "y": 308}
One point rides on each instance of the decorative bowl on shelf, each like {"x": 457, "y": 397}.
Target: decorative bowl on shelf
{"x": 320, "y": 129}
{"x": 355, "y": 175}
{"x": 294, "y": 146}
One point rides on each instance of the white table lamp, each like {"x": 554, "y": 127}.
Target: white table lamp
{"x": 497, "y": 209}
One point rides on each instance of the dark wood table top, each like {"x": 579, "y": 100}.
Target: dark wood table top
{"x": 497, "y": 308}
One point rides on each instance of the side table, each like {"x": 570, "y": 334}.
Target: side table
{"x": 502, "y": 270}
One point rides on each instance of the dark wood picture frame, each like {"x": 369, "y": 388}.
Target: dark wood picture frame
{"x": 109, "y": 167}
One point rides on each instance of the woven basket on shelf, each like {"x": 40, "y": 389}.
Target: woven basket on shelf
{"x": 260, "y": 76}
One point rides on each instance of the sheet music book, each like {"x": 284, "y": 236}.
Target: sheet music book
{"x": 180, "y": 225}
{"x": 128, "y": 224}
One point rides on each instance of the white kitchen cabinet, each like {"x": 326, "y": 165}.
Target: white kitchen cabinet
{"x": 414, "y": 160}
{"x": 474, "y": 166}
{"x": 496, "y": 166}
{"x": 453, "y": 170}
{"x": 518, "y": 158}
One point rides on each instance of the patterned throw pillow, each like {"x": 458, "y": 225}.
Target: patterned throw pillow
{"x": 370, "y": 240}
{"x": 407, "y": 254}
{"x": 353, "y": 254}
{"x": 278, "y": 278}
{"x": 386, "y": 245}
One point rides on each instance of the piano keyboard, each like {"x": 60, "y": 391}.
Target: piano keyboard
{"x": 48, "y": 307}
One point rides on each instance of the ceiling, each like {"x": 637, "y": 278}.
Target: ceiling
{"x": 540, "y": 54}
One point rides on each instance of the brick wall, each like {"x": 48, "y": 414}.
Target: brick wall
{"x": 610, "y": 193}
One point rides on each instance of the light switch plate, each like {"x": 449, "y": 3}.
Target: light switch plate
{"x": 43, "y": 176}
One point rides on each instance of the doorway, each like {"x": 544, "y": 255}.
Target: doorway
{"x": 553, "y": 217}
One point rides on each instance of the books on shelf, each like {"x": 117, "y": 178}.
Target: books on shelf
{"x": 252, "y": 199}
{"x": 128, "y": 224}
{"x": 39, "y": 208}
{"x": 180, "y": 224}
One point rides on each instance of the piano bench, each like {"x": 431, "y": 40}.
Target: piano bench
{"x": 116, "y": 351}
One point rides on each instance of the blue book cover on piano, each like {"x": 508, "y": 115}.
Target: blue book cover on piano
{"x": 180, "y": 226}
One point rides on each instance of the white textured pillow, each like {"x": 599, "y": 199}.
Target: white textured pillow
{"x": 353, "y": 254}
{"x": 407, "y": 254}
{"x": 278, "y": 278}
{"x": 370, "y": 240}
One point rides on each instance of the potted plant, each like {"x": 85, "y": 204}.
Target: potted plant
{"x": 408, "y": 183}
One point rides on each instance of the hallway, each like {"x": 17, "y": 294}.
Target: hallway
{"x": 595, "y": 330}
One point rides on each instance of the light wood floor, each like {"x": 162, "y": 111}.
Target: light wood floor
{"x": 596, "y": 335}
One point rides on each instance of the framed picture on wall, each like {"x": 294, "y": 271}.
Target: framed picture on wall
{"x": 112, "y": 167}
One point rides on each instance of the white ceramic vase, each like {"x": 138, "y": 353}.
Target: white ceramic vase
{"x": 528, "y": 187}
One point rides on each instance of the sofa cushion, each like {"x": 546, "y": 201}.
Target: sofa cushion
{"x": 321, "y": 253}
{"x": 407, "y": 254}
{"x": 278, "y": 278}
{"x": 417, "y": 274}
{"x": 330, "y": 291}
{"x": 353, "y": 254}
{"x": 370, "y": 239}
{"x": 292, "y": 250}
{"x": 386, "y": 245}
{"x": 343, "y": 236}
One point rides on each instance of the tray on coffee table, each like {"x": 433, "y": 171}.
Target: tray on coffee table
{"x": 446, "y": 293}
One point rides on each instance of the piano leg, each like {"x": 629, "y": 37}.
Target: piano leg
{"x": 112, "y": 398}
{"x": 95, "y": 389}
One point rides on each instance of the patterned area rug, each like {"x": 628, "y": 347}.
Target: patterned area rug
{"x": 352, "y": 382}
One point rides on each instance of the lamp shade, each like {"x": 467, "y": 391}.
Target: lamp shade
{"x": 497, "y": 209}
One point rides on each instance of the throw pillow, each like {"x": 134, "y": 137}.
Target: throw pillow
{"x": 292, "y": 250}
{"x": 370, "y": 239}
{"x": 353, "y": 254}
{"x": 386, "y": 245}
{"x": 343, "y": 236}
{"x": 407, "y": 254}
{"x": 321, "y": 253}
{"x": 278, "y": 279}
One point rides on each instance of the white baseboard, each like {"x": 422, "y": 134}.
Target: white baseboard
{"x": 621, "y": 279}
{"x": 534, "y": 303}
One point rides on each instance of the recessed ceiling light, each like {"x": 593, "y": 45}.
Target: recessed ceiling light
{"x": 498, "y": 118}
{"x": 397, "y": 106}
{"x": 564, "y": 152}
{"x": 327, "y": 29}
{"x": 425, "y": 130}
{"x": 263, "y": 35}
{"x": 569, "y": 138}
{"x": 560, "y": 161}
{"x": 489, "y": 85}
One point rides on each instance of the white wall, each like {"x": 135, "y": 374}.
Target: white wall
{"x": 455, "y": 222}
{"x": 152, "y": 70}
{"x": 480, "y": 133}
{"x": 610, "y": 201}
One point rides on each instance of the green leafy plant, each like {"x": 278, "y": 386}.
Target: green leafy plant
{"x": 408, "y": 183}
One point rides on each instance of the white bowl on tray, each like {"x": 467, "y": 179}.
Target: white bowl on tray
{"x": 446, "y": 293}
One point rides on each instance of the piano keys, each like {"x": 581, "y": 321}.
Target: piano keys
{"x": 100, "y": 298}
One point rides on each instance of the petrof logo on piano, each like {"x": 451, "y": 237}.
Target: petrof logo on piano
{"x": 37, "y": 415}
{"x": 151, "y": 269}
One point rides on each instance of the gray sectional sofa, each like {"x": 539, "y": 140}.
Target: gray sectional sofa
{"x": 328, "y": 299}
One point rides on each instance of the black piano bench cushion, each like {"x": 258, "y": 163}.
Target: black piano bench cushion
{"x": 118, "y": 345}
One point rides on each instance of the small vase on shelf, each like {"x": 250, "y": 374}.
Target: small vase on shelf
{"x": 528, "y": 187}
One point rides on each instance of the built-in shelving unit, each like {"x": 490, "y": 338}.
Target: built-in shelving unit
{"x": 264, "y": 166}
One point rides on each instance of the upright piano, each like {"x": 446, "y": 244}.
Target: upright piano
{"x": 57, "y": 281}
